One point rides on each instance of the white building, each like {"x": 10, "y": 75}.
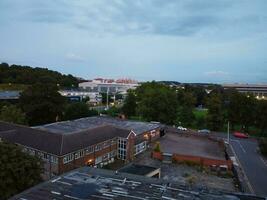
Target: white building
{"x": 109, "y": 85}
{"x": 94, "y": 97}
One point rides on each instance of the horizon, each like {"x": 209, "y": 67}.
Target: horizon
{"x": 186, "y": 41}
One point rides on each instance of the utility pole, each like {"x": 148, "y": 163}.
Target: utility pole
{"x": 107, "y": 96}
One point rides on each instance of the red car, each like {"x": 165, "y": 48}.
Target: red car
{"x": 240, "y": 135}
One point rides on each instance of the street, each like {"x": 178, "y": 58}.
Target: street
{"x": 252, "y": 163}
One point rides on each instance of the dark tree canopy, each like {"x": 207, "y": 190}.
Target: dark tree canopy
{"x": 18, "y": 170}
{"x": 27, "y": 75}
{"x": 42, "y": 104}
{"x": 77, "y": 110}
{"x": 129, "y": 107}
{"x": 13, "y": 114}
{"x": 156, "y": 102}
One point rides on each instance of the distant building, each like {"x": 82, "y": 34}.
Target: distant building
{"x": 259, "y": 90}
{"x": 77, "y": 95}
{"x": 9, "y": 95}
{"x": 109, "y": 85}
{"x": 93, "y": 141}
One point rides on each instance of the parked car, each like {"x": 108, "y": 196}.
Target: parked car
{"x": 204, "y": 131}
{"x": 240, "y": 135}
{"x": 181, "y": 128}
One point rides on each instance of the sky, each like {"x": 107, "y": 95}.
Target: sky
{"x": 215, "y": 41}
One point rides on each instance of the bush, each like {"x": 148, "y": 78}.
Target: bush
{"x": 157, "y": 147}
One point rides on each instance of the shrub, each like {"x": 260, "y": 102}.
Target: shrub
{"x": 157, "y": 147}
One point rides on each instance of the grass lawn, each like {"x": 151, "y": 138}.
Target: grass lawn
{"x": 6, "y": 86}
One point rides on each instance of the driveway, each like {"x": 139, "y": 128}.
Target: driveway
{"x": 253, "y": 165}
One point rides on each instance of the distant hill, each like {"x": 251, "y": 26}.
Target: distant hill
{"x": 17, "y": 74}
{"x": 170, "y": 83}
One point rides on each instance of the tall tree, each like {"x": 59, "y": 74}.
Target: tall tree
{"x": 156, "y": 102}
{"x": 42, "y": 104}
{"x": 261, "y": 116}
{"x": 215, "y": 112}
{"x": 77, "y": 110}
{"x": 18, "y": 171}
{"x": 129, "y": 106}
{"x": 13, "y": 114}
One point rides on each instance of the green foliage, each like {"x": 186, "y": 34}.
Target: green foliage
{"x": 215, "y": 112}
{"x": 129, "y": 106}
{"x": 18, "y": 171}
{"x": 12, "y": 86}
{"x": 77, "y": 110}
{"x": 157, "y": 147}
{"x": 17, "y": 74}
{"x": 261, "y": 116}
{"x": 42, "y": 104}
{"x": 13, "y": 114}
{"x": 113, "y": 111}
{"x": 156, "y": 102}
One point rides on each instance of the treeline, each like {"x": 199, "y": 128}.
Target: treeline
{"x": 158, "y": 102}
{"x": 42, "y": 104}
{"x": 17, "y": 74}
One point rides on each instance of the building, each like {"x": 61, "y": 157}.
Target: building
{"x": 258, "y": 90}
{"x": 93, "y": 141}
{"x": 109, "y": 85}
{"x": 9, "y": 95}
{"x": 77, "y": 95}
{"x": 92, "y": 183}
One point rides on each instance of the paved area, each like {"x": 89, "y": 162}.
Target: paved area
{"x": 186, "y": 175}
{"x": 253, "y": 165}
{"x": 189, "y": 144}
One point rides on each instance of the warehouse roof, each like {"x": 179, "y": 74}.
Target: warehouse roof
{"x": 92, "y": 183}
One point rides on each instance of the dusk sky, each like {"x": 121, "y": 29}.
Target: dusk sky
{"x": 182, "y": 40}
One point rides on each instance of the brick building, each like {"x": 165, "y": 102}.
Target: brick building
{"x": 93, "y": 141}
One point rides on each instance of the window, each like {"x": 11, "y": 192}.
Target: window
{"x": 122, "y": 148}
{"x": 54, "y": 159}
{"x": 68, "y": 158}
{"x": 98, "y": 147}
{"x": 106, "y": 144}
{"x": 89, "y": 150}
{"x": 112, "y": 154}
{"x": 77, "y": 154}
{"x": 113, "y": 141}
{"x": 140, "y": 147}
{"x": 105, "y": 157}
{"x": 98, "y": 160}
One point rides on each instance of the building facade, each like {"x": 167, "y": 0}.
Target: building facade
{"x": 92, "y": 141}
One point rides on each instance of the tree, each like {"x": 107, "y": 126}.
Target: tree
{"x": 156, "y": 102}
{"x": 129, "y": 106}
{"x": 18, "y": 171}
{"x": 42, "y": 104}
{"x": 261, "y": 116}
{"x": 77, "y": 110}
{"x": 215, "y": 112}
{"x": 12, "y": 114}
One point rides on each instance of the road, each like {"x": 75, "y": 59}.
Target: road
{"x": 253, "y": 165}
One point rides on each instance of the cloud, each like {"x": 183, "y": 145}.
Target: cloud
{"x": 75, "y": 58}
{"x": 216, "y": 73}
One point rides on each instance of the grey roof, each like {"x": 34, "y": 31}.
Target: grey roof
{"x": 92, "y": 183}
{"x": 137, "y": 169}
{"x": 56, "y": 143}
{"x": 66, "y": 127}
{"x": 9, "y": 94}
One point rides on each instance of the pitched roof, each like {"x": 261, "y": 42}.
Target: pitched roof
{"x": 58, "y": 143}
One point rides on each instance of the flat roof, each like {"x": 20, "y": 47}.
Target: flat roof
{"x": 138, "y": 169}
{"x": 92, "y": 183}
{"x": 82, "y": 124}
